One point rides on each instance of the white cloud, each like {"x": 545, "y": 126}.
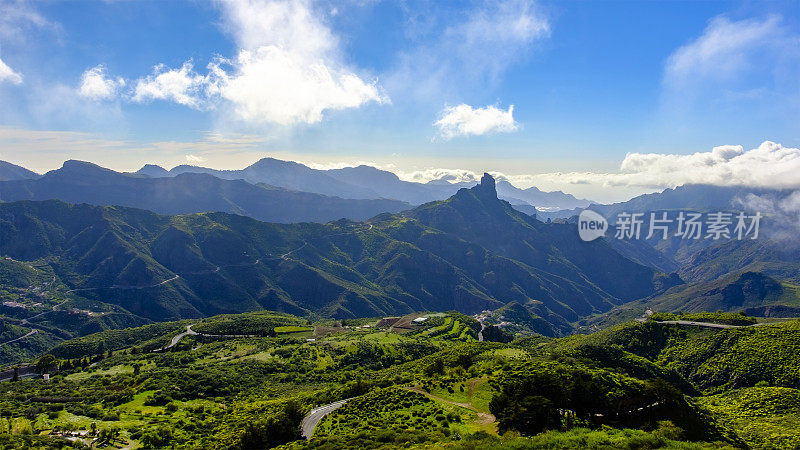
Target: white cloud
{"x": 291, "y": 25}
{"x": 8, "y": 74}
{"x": 288, "y": 69}
{"x": 96, "y": 85}
{"x": 194, "y": 159}
{"x": 183, "y": 86}
{"x": 769, "y": 165}
{"x": 271, "y": 85}
{"x": 464, "y": 120}
{"x": 449, "y": 175}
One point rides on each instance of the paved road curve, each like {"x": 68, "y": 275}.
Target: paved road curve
{"x": 189, "y": 331}
{"x": 178, "y": 337}
{"x": 311, "y": 420}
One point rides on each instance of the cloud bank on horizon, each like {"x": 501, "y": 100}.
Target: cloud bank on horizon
{"x": 770, "y": 165}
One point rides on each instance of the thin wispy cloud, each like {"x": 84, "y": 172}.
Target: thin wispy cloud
{"x": 750, "y": 63}
{"x": 473, "y": 51}
{"x": 724, "y": 50}
{"x": 19, "y": 18}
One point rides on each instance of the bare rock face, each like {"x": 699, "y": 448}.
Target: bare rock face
{"x": 487, "y": 187}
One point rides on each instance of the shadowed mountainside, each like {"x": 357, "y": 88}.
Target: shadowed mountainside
{"x": 469, "y": 253}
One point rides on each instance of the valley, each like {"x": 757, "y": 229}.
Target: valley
{"x": 460, "y": 323}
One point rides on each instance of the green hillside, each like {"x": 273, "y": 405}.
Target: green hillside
{"x": 424, "y": 384}
{"x": 121, "y": 267}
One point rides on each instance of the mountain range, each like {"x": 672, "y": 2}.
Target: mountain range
{"x": 759, "y": 276}
{"x": 358, "y": 183}
{"x": 367, "y": 182}
{"x": 10, "y": 171}
{"x": 82, "y": 182}
{"x": 195, "y": 255}
{"x": 470, "y": 252}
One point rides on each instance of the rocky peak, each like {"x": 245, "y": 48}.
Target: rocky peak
{"x": 487, "y": 186}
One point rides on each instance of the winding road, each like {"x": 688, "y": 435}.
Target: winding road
{"x": 286, "y": 255}
{"x": 126, "y": 287}
{"x": 312, "y": 419}
{"x": 30, "y": 333}
{"x": 178, "y": 337}
{"x": 702, "y": 324}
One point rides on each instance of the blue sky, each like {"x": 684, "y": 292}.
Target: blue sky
{"x": 610, "y": 99}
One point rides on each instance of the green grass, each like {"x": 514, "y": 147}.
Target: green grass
{"x": 116, "y": 370}
{"x": 292, "y": 329}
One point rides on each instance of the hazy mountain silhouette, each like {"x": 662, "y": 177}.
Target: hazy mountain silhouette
{"x": 82, "y": 182}
{"x": 365, "y": 182}
{"x": 10, "y": 171}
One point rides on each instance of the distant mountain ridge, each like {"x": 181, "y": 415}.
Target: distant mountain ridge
{"x": 82, "y": 182}
{"x": 760, "y": 276}
{"x": 10, "y": 172}
{"x": 366, "y": 182}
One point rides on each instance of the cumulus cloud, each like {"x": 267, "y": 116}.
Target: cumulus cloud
{"x": 270, "y": 85}
{"x": 464, "y": 120}
{"x": 183, "y": 86}
{"x": 769, "y": 165}
{"x": 8, "y": 74}
{"x": 97, "y": 85}
{"x": 288, "y": 69}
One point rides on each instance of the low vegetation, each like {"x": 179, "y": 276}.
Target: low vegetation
{"x": 426, "y": 385}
